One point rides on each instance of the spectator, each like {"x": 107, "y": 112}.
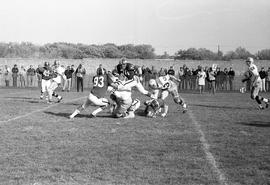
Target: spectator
{"x": 263, "y": 76}
{"x": 68, "y": 72}
{"x": 80, "y": 72}
{"x": 22, "y": 76}
{"x": 218, "y": 78}
{"x": 154, "y": 73}
{"x": 181, "y": 77}
{"x": 101, "y": 68}
{"x": 15, "y": 72}
{"x": 7, "y": 75}
{"x": 212, "y": 78}
{"x": 201, "y": 79}
{"x": 231, "y": 75}
{"x": 268, "y": 80}
{"x": 171, "y": 71}
{"x": 31, "y": 73}
{"x": 226, "y": 79}
{"x": 39, "y": 76}
{"x": 147, "y": 77}
{"x": 161, "y": 72}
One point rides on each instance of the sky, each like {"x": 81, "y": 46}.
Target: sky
{"x": 167, "y": 25}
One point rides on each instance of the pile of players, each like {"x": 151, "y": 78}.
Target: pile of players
{"x": 119, "y": 83}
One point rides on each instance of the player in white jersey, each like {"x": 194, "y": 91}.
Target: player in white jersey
{"x": 256, "y": 83}
{"x": 58, "y": 75}
{"x": 125, "y": 107}
{"x": 167, "y": 86}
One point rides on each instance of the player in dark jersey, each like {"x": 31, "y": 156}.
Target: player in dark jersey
{"x": 46, "y": 76}
{"x": 96, "y": 96}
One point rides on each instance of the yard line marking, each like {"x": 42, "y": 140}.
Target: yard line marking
{"x": 209, "y": 156}
{"x": 39, "y": 110}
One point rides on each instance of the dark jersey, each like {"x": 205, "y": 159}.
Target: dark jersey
{"x": 45, "y": 72}
{"x": 100, "y": 85}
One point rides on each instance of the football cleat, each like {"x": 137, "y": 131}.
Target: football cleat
{"x": 267, "y": 104}
{"x": 129, "y": 115}
{"x": 261, "y": 107}
{"x": 93, "y": 115}
{"x": 163, "y": 115}
{"x": 59, "y": 99}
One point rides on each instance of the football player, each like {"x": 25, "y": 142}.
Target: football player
{"x": 96, "y": 96}
{"x": 125, "y": 107}
{"x": 154, "y": 107}
{"x": 57, "y": 75}
{"x": 167, "y": 86}
{"x": 256, "y": 83}
{"x": 46, "y": 75}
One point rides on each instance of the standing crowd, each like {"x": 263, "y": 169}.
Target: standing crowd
{"x": 200, "y": 79}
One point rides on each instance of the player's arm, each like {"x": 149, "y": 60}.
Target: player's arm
{"x": 246, "y": 76}
{"x": 174, "y": 78}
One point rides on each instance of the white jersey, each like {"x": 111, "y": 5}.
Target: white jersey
{"x": 165, "y": 82}
{"x": 254, "y": 72}
{"x": 123, "y": 90}
{"x": 60, "y": 71}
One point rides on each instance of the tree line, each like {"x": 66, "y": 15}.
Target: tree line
{"x": 205, "y": 54}
{"x": 110, "y": 50}
{"x": 75, "y": 51}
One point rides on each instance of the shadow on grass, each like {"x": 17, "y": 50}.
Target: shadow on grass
{"x": 255, "y": 123}
{"x": 66, "y": 115}
{"x": 222, "y": 107}
{"x": 25, "y": 99}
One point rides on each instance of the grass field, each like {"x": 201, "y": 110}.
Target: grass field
{"x": 222, "y": 139}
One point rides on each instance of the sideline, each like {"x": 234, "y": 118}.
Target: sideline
{"x": 39, "y": 110}
{"x": 206, "y": 148}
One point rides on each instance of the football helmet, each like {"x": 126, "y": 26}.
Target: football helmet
{"x": 249, "y": 60}
{"x": 153, "y": 83}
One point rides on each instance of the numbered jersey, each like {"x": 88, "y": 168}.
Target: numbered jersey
{"x": 254, "y": 73}
{"x": 164, "y": 82}
{"x": 100, "y": 85}
{"x": 46, "y": 73}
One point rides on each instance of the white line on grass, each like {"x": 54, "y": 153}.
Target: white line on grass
{"x": 39, "y": 110}
{"x": 211, "y": 159}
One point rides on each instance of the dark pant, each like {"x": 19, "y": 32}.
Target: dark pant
{"x": 79, "y": 83}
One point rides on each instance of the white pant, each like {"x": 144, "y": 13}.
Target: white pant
{"x": 45, "y": 84}
{"x": 263, "y": 84}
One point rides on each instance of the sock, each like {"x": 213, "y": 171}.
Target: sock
{"x": 74, "y": 113}
{"x": 265, "y": 100}
{"x": 54, "y": 94}
{"x": 95, "y": 112}
{"x": 258, "y": 99}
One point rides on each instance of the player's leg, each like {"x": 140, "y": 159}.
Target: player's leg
{"x": 177, "y": 99}
{"x": 259, "y": 99}
{"x": 101, "y": 102}
{"x": 134, "y": 106}
{"x": 80, "y": 108}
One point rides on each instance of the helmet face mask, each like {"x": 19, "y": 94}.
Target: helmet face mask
{"x": 249, "y": 61}
{"x": 153, "y": 83}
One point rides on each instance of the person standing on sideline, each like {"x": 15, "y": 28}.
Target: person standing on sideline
{"x": 231, "y": 75}
{"x": 80, "y": 72}
{"x": 171, "y": 71}
{"x": 15, "y": 72}
{"x": 31, "y": 72}
{"x": 268, "y": 80}
{"x": 263, "y": 76}
{"x": 201, "y": 79}
{"x": 212, "y": 78}
{"x": 68, "y": 72}
{"x": 22, "y": 75}
{"x": 7, "y": 75}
